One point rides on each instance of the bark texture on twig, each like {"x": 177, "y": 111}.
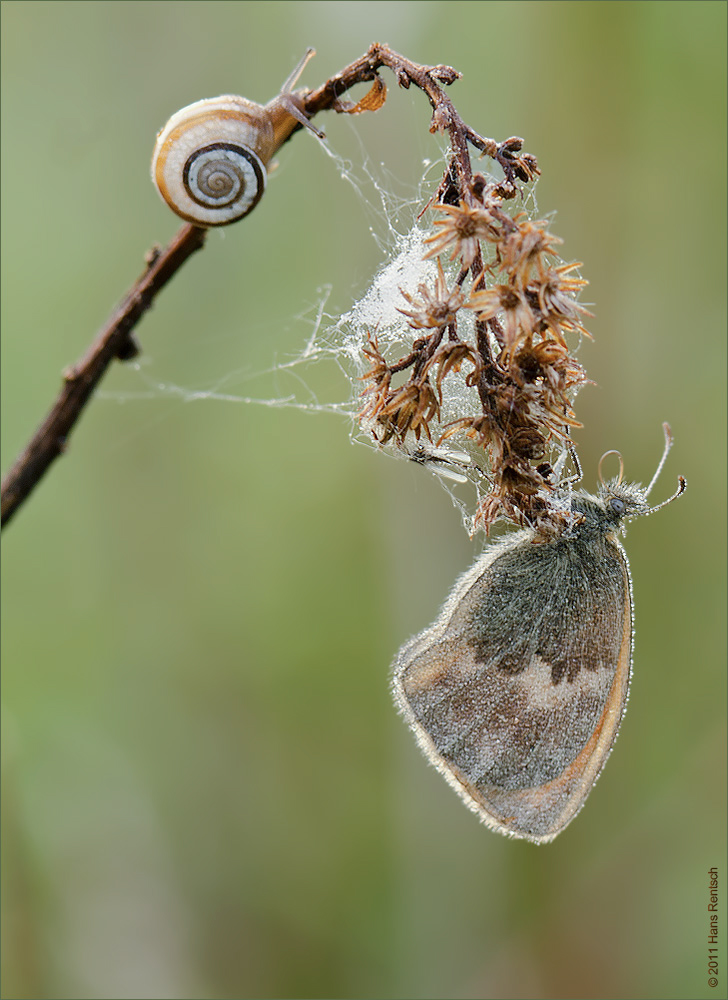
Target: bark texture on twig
{"x": 115, "y": 340}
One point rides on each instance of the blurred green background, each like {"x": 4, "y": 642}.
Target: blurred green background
{"x": 206, "y": 789}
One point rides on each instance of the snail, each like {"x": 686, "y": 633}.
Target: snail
{"x": 210, "y": 159}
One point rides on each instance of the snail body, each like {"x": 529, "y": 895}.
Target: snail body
{"x": 210, "y": 159}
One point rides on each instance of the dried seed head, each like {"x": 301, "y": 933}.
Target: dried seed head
{"x": 490, "y": 363}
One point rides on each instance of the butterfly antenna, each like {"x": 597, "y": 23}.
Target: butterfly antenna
{"x": 621, "y": 465}
{"x": 682, "y": 485}
{"x": 668, "y": 445}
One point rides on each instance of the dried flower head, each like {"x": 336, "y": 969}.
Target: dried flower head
{"x": 510, "y": 304}
{"x": 490, "y": 363}
{"x": 434, "y": 309}
{"x": 464, "y": 226}
{"x": 525, "y": 250}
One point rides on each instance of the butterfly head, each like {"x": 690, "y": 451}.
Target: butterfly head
{"x": 615, "y": 502}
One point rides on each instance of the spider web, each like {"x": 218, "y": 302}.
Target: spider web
{"x": 338, "y": 340}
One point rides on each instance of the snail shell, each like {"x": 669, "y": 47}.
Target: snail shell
{"x": 210, "y": 159}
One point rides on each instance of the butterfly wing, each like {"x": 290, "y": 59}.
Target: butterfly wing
{"x": 517, "y": 691}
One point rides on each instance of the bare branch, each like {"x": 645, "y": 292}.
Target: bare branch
{"x": 115, "y": 340}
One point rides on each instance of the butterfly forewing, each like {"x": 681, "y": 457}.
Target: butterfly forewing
{"x": 517, "y": 690}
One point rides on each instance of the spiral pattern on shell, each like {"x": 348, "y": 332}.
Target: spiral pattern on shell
{"x": 224, "y": 177}
{"x": 209, "y": 160}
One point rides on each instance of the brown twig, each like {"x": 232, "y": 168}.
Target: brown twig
{"x": 445, "y": 118}
{"x": 115, "y": 340}
{"x": 80, "y": 380}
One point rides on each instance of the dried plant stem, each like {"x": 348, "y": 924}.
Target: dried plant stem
{"x": 80, "y": 380}
{"x": 429, "y": 80}
{"x": 115, "y": 339}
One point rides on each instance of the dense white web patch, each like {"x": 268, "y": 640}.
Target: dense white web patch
{"x": 376, "y": 315}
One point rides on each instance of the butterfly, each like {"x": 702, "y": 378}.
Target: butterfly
{"x": 517, "y": 691}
